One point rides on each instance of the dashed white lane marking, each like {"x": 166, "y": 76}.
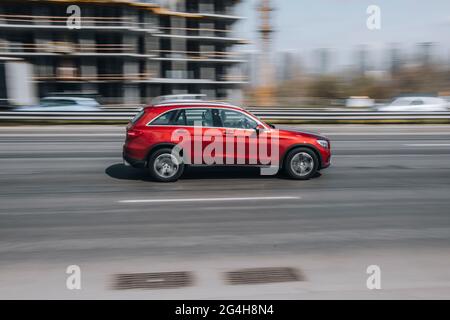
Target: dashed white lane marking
{"x": 209, "y": 199}
{"x": 428, "y": 145}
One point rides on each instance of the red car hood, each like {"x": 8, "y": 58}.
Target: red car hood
{"x": 314, "y": 135}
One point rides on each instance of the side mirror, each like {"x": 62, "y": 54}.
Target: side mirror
{"x": 271, "y": 125}
{"x": 259, "y": 128}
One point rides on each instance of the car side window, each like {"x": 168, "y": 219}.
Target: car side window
{"x": 165, "y": 119}
{"x": 203, "y": 116}
{"x": 236, "y": 120}
{"x": 206, "y": 117}
{"x": 197, "y": 117}
{"x": 180, "y": 118}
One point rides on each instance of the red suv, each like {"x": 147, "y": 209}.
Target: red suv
{"x": 166, "y": 137}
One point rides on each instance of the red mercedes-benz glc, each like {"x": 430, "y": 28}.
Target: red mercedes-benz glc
{"x": 167, "y": 136}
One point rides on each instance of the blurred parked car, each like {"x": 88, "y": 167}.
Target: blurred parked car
{"x": 63, "y": 104}
{"x": 359, "y": 102}
{"x": 419, "y": 104}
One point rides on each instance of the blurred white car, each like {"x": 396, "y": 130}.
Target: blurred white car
{"x": 64, "y": 104}
{"x": 419, "y": 104}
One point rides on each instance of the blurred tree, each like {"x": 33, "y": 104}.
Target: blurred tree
{"x": 323, "y": 90}
{"x": 370, "y": 87}
{"x": 328, "y": 87}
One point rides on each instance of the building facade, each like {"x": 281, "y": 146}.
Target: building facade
{"x": 126, "y": 52}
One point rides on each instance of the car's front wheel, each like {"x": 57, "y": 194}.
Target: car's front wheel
{"x": 165, "y": 166}
{"x": 301, "y": 164}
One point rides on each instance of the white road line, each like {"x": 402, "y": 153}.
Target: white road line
{"x": 209, "y": 199}
{"x": 428, "y": 145}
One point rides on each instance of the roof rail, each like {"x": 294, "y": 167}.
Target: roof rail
{"x": 188, "y": 99}
{"x": 178, "y": 98}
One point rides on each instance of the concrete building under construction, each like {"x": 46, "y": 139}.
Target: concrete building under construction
{"x": 126, "y": 52}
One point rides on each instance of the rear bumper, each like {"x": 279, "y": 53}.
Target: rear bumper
{"x": 135, "y": 163}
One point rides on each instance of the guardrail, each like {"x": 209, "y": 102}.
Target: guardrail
{"x": 361, "y": 115}
{"x": 291, "y": 115}
{"x": 66, "y": 115}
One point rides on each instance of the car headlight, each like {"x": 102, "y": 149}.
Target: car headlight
{"x": 323, "y": 143}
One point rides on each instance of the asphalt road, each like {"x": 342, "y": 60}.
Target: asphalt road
{"x": 66, "y": 198}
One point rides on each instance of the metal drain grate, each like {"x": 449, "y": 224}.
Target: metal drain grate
{"x": 263, "y": 275}
{"x": 162, "y": 280}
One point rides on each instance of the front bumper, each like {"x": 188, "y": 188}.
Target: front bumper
{"x": 326, "y": 161}
{"x": 326, "y": 165}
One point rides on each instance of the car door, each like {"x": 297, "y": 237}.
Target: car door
{"x": 240, "y": 138}
{"x": 200, "y": 124}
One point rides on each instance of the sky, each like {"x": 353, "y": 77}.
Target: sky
{"x": 305, "y": 25}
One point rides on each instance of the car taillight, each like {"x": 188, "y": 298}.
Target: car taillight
{"x": 133, "y": 133}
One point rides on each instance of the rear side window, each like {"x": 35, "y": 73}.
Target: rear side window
{"x": 189, "y": 117}
{"x": 165, "y": 119}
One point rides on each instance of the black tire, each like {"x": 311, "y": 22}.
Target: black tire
{"x": 165, "y": 155}
{"x": 305, "y": 154}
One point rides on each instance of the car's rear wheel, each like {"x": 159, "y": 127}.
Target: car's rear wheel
{"x": 165, "y": 166}
{"x": 301, "y": 164}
